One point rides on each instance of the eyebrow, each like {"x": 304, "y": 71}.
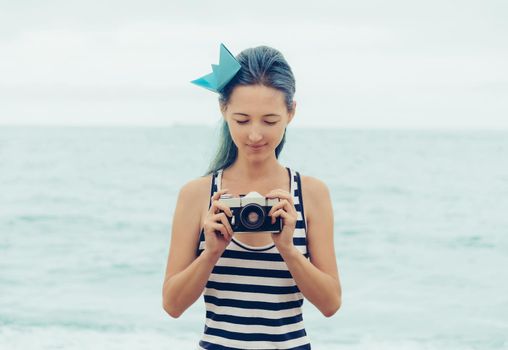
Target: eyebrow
{"x": 266, "y": 115}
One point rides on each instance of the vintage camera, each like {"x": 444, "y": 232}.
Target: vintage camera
{"x": 250, "y": 213}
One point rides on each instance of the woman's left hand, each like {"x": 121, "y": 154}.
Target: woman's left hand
{"x": 285, "y": 209}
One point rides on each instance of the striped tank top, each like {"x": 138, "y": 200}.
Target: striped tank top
{"x": 251, "y": 299}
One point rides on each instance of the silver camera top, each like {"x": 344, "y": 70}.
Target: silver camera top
{"x": 250, "y": 198}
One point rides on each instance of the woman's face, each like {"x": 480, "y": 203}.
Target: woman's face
{"x": 257, "y": 116}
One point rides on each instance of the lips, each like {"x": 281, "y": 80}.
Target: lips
{"x": 256, "y": 147}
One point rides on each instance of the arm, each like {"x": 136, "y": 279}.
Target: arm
{"x": 186, "y": 275}
{"x": 318, "y": 279}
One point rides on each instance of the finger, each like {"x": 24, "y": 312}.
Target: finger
{"x": 222, "y": 206}
{"x": 222, "y": 217}
{"x": 288, "y": 218}
{"x": 221, "y": 229}
{"x": 281, "y": 194}
{"x": 288, "y": 206}
{"x": 281, "y": 204}
{"x": 211, "y": 228}
{"x": 284, "y": 214}
{"x": 277, "y": 192}
{"x": 275, "y": 207}
{"x": 217, "y": 194}
{"x": 276, "y": 214}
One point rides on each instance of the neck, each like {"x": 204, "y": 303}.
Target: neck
{"x": 250, "y": 171}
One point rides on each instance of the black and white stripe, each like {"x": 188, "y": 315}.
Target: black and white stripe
{"x": 251, "y": 299}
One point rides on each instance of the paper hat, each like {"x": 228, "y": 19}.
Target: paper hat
{"x": 222, "y": 73}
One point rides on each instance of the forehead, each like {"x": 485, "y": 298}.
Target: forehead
{"x": 256, "y": 98}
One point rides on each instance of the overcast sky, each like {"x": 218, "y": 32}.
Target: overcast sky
{"x": 426, "y": 64}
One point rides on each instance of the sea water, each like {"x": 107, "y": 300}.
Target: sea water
{"x": 420, "y": 234}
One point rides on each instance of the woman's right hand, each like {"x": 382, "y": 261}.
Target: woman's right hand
{"x": 218, "y": 231}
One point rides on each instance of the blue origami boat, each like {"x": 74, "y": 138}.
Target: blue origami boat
{"x": 222, "y": 73}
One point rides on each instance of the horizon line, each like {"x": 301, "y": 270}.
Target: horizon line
{"x": 305, "y": 127}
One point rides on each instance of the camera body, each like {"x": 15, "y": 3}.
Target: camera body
{"x": 250, "y": 213}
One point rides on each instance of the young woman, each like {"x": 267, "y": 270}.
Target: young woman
{"x": 253, "y": 283}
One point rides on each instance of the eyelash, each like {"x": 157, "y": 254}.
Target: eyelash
{"x": 239, "y": 122}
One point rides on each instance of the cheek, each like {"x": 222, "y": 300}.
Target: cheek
{"x": 274, "y": 135}
{"x": 280, "y": 133}
{"x": 238, "y": 134}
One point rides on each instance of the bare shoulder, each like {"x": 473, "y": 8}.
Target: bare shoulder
{"x": 315, "y": 194}
{"x": 314, "y": 183}
{"x": 196, "y": 187}
{"x": 196, "y": 194}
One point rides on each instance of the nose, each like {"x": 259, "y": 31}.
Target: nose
{"x": 254, "y": 136}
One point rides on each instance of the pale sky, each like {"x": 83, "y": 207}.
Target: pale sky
{"x": 388, "y": 64}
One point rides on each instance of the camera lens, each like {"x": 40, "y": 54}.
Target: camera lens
{"x": 252, "y": 216}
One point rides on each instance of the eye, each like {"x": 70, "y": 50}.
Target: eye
{"x": 246, "y": 121}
